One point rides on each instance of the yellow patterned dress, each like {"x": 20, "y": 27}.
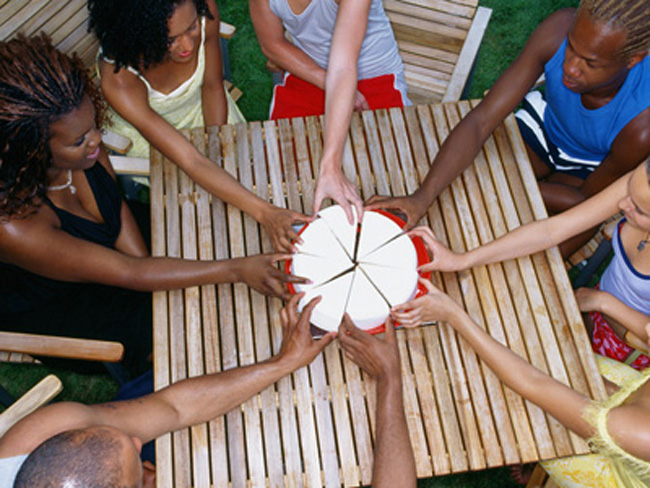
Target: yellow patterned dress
{"x": 182, "y": 107}
{"x": 610, "y": 466}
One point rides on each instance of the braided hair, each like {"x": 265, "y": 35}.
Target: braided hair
{"x": 633, "y": 16}
{"x": 134, "y": 33}
{"x": 38, "y": 86}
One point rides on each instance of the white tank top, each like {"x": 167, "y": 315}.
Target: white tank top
{"x": 312, "y": 30}
{"x": 623, "y": 281}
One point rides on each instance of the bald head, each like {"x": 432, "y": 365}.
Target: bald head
{"x": 98, "y": 457}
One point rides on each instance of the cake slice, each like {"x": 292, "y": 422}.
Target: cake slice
{"x": 365, "y": 306}
{"x": 338, "y": 224}
{"x": 395, "y": 285}
{"x": 329, "y": 312}
{"x": 317, "y": 269}
{"x": 318, "y": 240}
{"x": 376, "y": 230}
{"x": 398, "y": 253}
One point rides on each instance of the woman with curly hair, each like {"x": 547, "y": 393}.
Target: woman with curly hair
{"x": 72, "y": 260}
{"x": 160, "y": 68}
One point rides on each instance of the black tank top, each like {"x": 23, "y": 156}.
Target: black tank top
{"x": 21, "y": 290}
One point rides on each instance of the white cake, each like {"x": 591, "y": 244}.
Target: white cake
{"x": 365, "y": 284}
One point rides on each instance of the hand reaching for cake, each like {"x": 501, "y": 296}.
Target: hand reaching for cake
{"x": 433, "y": 307}
{"x": 442, "y": 258}
{"x": 377, "y": 357}
{"x": 332, "y": 183}
{"x": 261, "y": 273}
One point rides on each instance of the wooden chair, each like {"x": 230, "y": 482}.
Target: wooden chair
{"x": 438, "y": 41}
{"x": 37, "y": 396}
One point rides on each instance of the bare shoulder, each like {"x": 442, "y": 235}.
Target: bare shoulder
{"x": 637, "y": 131}
{"x": 16, "y": 231}
{"x": 39, "y": 426}
{"x": 121, "y": 81}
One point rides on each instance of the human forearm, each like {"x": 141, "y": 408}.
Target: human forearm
{"x": 625, "y": 316}
{"x": 394, "y": 464}
{"x": 161, "y": 273}
{"x": 214, "y": 104}
{"x": 203, "y": 398}
{"x": 554, "y": 397}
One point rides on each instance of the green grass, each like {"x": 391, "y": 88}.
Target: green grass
{"x": 511, "y": 23}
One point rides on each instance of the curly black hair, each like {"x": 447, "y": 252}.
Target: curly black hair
{"x": 38, "y": 86}
{"x": 134, "y": 33}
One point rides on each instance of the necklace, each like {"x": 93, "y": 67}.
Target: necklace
{"x": 642, "y": 243}
{"x": 67, "y": 184}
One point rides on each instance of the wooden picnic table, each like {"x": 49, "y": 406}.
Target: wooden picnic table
{"x": 315, "y": 427}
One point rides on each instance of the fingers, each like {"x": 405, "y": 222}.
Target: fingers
{"x": 358, "y": 205}
{"x": 318, "y": 201}
{"x": 347, "y": 208}
{"x": 376, "y": 201}
{"x": 428, "y": 285}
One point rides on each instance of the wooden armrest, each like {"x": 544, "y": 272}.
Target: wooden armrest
{"x": 116, "y": 142}
{"x": 467, "y": 55}
{"x": 37, "y": 396}
{"x": 61, "y": 347}
{"x": 125, "y": 165}
{"x": 636, "y": 342}
{"x": 226, "y": 30}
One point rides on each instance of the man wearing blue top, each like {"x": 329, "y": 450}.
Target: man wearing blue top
{"x": 594, "y": 125}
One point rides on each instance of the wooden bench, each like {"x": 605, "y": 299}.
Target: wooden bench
{"x": 438, "y": 41}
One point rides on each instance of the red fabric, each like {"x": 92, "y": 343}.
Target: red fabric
{"x": 297, "y": 98}
{"x": 606, "y": 343}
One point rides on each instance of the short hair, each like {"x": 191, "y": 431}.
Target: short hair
{"x": 633, "y": 16}
{"x": 38, "y": 86}
{"x": 89, "y": 458}
{"x": 134, "y": 33}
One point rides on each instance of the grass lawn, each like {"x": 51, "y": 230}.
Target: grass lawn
{"x": 511, "y": 23}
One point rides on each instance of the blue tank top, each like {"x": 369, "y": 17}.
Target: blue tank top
{"x": 588, "y": 134}
{"x": 21, "y": 290}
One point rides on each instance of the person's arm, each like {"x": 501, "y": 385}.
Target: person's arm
{"x": 530, "y": 238}
{"x": 127, "y": 95}
{"x": 465, "y": 141}
{"x": 554, "y": 397}
{"x": 284, "y": 54}
{"x": 278, "y": 50}
{"x": 340, "y": 92}
{"x": 182, "y": 404}
{"x": 213, "y": 93}
{"x": 37, "y": 244}
{"x": 630, "y": 147}
{"x": 619, "y": 315}
{"x": 394, "y": 464}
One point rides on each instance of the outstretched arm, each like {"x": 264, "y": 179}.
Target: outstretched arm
{"x": 394, "y": 464}
{"x": 128, "y": 97}
{"x": 180, "y": 405}
{"x": 340, "y": 93}
{"x": 554, "y": 397}
{"x": 532, "y": 237}
{"x": 465, "y": 141}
